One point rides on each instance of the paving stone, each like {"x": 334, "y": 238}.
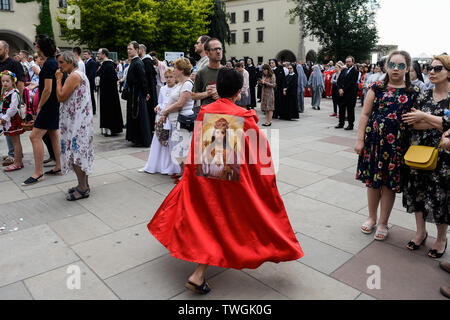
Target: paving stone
{"x": 321, "y": 256}
{"x": 146, "y": 179}
{"x": 31, "y": 252}
{"x": 304, "y": 165}
{"x": 3, "y": 177}
{"x": 41, "y": 191}
{"x": 15, "y": 291}
{"x": 233, "y": 285}
{"x": 120, "y": 251}
{"x": 10, "y": 192}
{"x": 329, "y": 172}
{"x": 297, "y": 177}
{"x": 128, "y": 161}
{"x": 164, "y": 189}
{"x": 348, "y": 142}
{"x": 159, "y": 279}
{"x": 120, "y": 209}
{"x": 104, "y": 166}
{"x": 80, "y": 228}
{"x": 364, "y": 296}
{"x": 285, "y": 188}
{"x": 58, "y": 284}
{"x": 323, "y": 147}
{"x": 347, "y": 177}
{"x": 33, "y": 212}
{"x": 95, "y": 181}
{"x": 327, "y": 160}
{"x": 300, "y": 282}
{"x": 336, "y": 193}
{"x": 141, "y": 155}
{"x": 329, "y": 224}
{"x": 403, "y": 275}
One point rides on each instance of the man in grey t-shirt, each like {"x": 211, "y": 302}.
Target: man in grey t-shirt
{"x": 206, "y": 78}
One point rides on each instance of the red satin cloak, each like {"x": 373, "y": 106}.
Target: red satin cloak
{"x": 230, "y": 224}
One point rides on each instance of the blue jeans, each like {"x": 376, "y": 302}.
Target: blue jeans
{"x": 10, "y": 146}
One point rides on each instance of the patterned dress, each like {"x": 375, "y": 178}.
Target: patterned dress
{"x": 385, "y": 143}
{"x": 429, "y": 191}
{"x": 76, "y": 125}
{"x": 267, "y": 95}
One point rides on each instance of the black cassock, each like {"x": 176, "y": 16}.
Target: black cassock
{"x": 279, "y": 97}
{"x": 252, "y": 82}
{"x": 110, "y": 109}
{"x": 138, "y": 122}
{"x": 289, "y": 110}
{"x": 150, "y": 75}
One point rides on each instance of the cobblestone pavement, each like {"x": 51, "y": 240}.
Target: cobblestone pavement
{"x": 44, "y": 239}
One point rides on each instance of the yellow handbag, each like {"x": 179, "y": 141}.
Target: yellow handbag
{"x": 421, "y": 157}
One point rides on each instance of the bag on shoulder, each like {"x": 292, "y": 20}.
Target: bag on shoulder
{"x": 187, "y": 122}
{"x": 421, "y": 157}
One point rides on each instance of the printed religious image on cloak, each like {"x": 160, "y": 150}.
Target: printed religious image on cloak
{"x": 221, "y": 147}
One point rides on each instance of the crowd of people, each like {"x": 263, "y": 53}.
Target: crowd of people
{"x": 404, "y": 105}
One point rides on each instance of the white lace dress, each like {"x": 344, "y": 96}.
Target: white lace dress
{"x": 76, "y": 125}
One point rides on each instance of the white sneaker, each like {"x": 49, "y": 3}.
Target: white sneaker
{"x": 141, "y": 170}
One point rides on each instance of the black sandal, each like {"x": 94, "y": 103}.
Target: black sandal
{"x": 413, "y": 246}
{"x": 201, "y": 289}
{"x": 32, "y": 180}
{"x": 71, "y": 196}
{"x": 72, "y": 190}
{"x": 434, "y": 254}
{"x": 54, "y": 173}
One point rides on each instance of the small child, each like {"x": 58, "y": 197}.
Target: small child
{"x": 10, "y": 118}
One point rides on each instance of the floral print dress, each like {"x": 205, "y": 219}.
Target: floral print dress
{"x": 385, "y": 143}
{"x": 76, "y": 125}
{"x": 429, "y": 191}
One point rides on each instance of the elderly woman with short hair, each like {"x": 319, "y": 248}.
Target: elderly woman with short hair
{"x": 76, "y": 124}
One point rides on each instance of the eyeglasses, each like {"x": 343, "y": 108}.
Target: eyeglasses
{"x": 215, "y": 49}
{"x": 400, "y": 66}
{"x": 436, "y": 69}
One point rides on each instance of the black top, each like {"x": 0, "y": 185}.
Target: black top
{"x": 348, "y": 81}
{"x": 252, "y": 76}
{"x": 91, "y": 70}
{"x": 14, "y": 66}
{"x": 136, "y": 77}
{"x": 48, "y": 117}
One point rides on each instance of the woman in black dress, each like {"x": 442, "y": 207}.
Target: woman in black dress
{"x": 47, "y": 119}
{"x": 427, "y": 193}
{"x": 289, "y": 111}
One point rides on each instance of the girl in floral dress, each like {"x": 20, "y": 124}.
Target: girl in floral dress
{"x": 381, "y": 140}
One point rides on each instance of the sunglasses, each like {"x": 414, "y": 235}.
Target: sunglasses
{"x": 215, "y": 49}
{"x": 436, "y": 69}
{"x": 393, "y": 65}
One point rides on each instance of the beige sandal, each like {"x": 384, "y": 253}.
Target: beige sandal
{"x": 367, "y": 228}
{"x": 381, "y": 235}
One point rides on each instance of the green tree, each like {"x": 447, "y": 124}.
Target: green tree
{"x": 162, "y": 25}
{"x": 342, "y": 27}
{"x": 218, "y": 27}
{"x": 180, "y": 23}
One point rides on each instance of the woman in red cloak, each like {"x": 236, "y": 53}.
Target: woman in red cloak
{"x": 231, "y": 219}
